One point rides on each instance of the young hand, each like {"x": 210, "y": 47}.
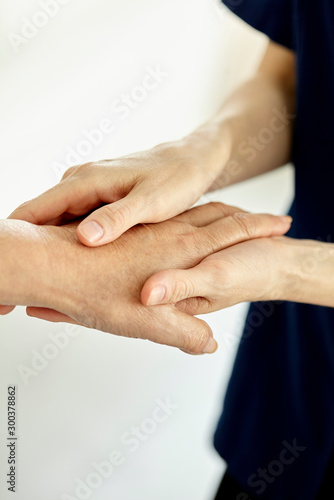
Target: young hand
{"x": 278, "y": 268}
{"x": 151, "y": 186}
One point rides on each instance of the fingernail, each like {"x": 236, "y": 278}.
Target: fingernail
{"x": 156, "y": 295}
{"x": 211, "y": 347}
{"x": 92, "y": 231}
{"x": 286, "y": 219}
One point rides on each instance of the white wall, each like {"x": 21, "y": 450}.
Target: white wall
{"x": 61, "y": 82}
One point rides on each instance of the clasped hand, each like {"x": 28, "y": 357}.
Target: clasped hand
{"x": 202, "y": 257}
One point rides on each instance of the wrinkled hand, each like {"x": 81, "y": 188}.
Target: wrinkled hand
{"x": 251, "y": 271}
{"x": 100, "y": 288}
{"x": 146, "y": 187}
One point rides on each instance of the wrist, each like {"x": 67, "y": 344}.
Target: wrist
{"x": 308, "y": 266}
{"x": 37, "y": 264}
{"x": 61, "y": 276}
{"x": 22, "y": 259}
{"x": 210, "y": 144}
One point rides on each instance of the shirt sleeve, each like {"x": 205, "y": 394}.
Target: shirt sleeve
{"x": 272, "y": 17}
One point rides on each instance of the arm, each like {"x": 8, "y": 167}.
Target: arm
{"x": 310, "y": 272}
{"x": 22, "y": 261}
{"x": 33, "y": 266}
{"x": 252, "y": 132}
{"x": 158, "y": 184}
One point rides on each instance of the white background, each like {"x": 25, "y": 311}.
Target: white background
{"x": 64, "y": 80}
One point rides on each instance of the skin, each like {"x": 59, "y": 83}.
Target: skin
{"x": 62, "y": 280}
{"x": 157, "y": 184}
{"x": 298, "y": 271}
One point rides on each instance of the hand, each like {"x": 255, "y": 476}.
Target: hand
{"x": 100, "y": 288}
{"x": 254, "y": 270}
{"x": 152, "y": 186}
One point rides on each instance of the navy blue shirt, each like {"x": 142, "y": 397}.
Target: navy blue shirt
{"x": 276, "y": 431}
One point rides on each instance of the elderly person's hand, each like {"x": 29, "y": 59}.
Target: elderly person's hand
{"x": 100, "y": 288}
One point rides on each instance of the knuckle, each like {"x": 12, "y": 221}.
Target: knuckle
{"x": 182, "y": 288}
{"x": 220, "y": 207}
{"x": 25, "y": 212}
{"x": 205, "y": 240}
{"x": 192, "y": 240}
{"x": 246, "y": 223}
{"x": 196, "y": 340}
{"x": 215, "y": 273}
{"x": 195, "y": 305}
{"x": 81, "y": 169}
{"x": 211, "y": 240}
{"x": 189, "y": 244}
{"x": 120, "y": 212}
{"x": 69, "y": 172}
{"x": 23, "y": 206}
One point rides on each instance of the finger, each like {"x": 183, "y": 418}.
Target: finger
{"x": 239, "y": 227}
{"x": 197, "y": 305}
{"x": 229, "y": 231}
{"x": 172, "y": 327}
{"x": 46, "y": 207}
{"x": 173, "y": 285}
{"x": 109, "y": 222}
{"x": 6, "y": 310}
{"x": 49, "y": 315}
{"x": 70, "y": 198}
{"x": 203, "y": 215}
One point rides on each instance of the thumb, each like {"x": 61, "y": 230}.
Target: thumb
{"x": 168, "y": 325}
{"x": 173, "y": 285}
{"x": 109, "y": 222}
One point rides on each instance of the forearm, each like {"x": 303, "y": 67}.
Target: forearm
{"x": 18, "y": 273}
{"x": 252, "y": 132}
{"x": 30, "y": 273}
{"x": 310, "y": 272}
